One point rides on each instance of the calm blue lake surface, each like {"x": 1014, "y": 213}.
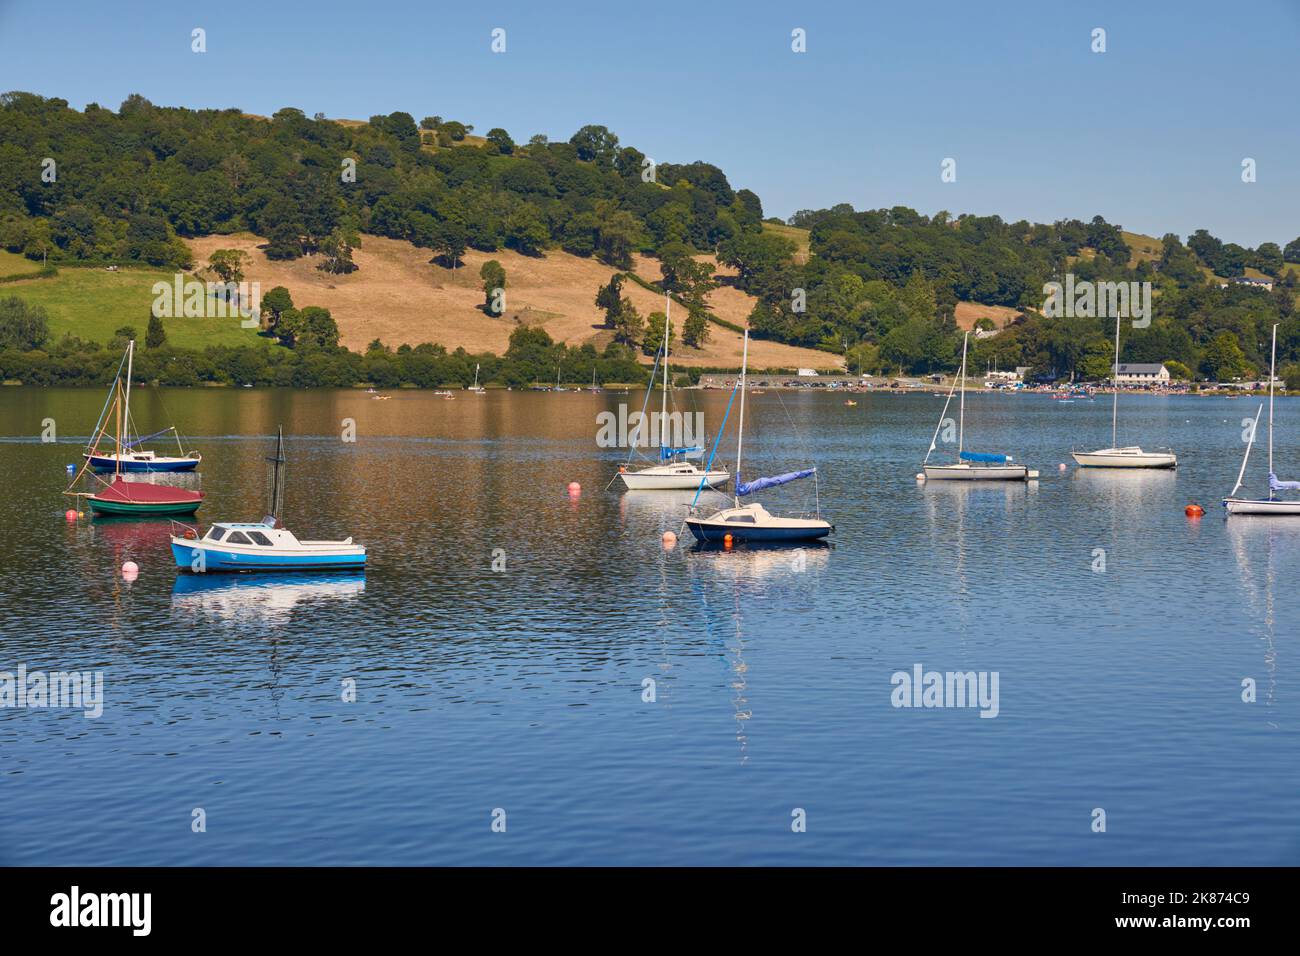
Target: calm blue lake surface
{"x": 522, "y": 689}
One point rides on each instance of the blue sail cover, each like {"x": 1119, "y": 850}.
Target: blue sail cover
{"x": 1275, "y": 485}
{"x": 981, "y": 456}
{"x": 692, "y": 452}
{"x": 758, "y": 484}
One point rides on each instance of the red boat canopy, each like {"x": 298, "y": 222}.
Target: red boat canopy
{"x": 144, "y": 493}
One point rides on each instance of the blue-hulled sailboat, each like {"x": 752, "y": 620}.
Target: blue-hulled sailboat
{"x": 264, "y": 545}
{"x": 128, "y": 456}
{"x": 752, "y": 522}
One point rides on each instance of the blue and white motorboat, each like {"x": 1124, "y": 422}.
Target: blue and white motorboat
{"x": 264, "y": 545}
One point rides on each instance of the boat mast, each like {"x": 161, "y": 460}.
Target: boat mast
{"x": 961, "y": 426}
{"x": 740, "y": 429}
{"x": 663, "y": 415}
{"x": 1114, "y": 389}
{"x": 130, "y": 364}
{"x": 276, "y": 491}
{"x": 1272, "y": 374}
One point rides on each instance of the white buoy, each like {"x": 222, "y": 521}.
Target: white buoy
{"x": 130, "y": 571}
{"x": 1061, "y": 466}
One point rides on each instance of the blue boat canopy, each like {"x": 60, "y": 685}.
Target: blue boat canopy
{"x": 695, "y": 451}
{"x": 981, "y": 456}
{"x": 1275, "y": 485}
{"x": 758, "y": 484}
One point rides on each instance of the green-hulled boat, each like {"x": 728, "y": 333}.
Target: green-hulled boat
{"x": 122, "y": 497}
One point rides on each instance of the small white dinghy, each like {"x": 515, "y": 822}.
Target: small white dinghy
{"x": 1131, "y": 456}
{"x": 970, "y": 465}
{"x": 1272, "y": 505}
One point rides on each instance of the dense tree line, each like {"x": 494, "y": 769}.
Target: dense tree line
{"x": 531, "y": 358}
{"x": 880, "y": 287}
{"x": 126, "y": 185}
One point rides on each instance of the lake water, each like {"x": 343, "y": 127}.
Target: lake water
{"x": 522, "y": 689}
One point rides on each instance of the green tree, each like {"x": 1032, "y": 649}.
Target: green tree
{"x": 628, "y": 324}
{"x": 1223, "y": 357}
{"x": 274, "y": 304}
{"x": 336, "y": 251}
{"x": 652, "y": 339}
{"x": 22, "y": 326}
{"x": 610, "y": 298}
{"x": 501, "y": 139}
{"x": 155, "y": 336}
{"x": 228, "y": 264}
{"x": 493, "y": 275}
{"x": 595, "y": 144}
{"x": 695, "y": 330}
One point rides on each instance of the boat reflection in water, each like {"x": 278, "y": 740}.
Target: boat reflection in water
{"x": 266, "y": 598}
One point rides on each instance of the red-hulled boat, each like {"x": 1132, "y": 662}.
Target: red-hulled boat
{"x": 123, "y": 497}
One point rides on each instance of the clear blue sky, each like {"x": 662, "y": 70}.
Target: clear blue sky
{"x": 1150, "y": 134}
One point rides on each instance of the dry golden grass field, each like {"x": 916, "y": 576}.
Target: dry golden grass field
{"x": 399, "y": 296}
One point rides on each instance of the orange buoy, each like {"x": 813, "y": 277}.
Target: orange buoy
{"x": 1194, "y": 510}
{"x": 726, "y": 540}
{"x": 669, "y": 540}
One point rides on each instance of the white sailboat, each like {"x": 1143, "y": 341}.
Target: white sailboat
{"x": 970, "y": 466}
{"x": 1271, "y": 505}
{"x": 1130, "y": 456}
{"x": 675, "y": 472}
{"x": 752, "y": 522}
{"x": 476, "y": 388}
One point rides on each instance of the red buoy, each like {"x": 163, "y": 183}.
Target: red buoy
{"x": 1194, "y": 511}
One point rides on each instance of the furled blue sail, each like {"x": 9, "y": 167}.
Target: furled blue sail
{"x": 694, "y": 451}
{"x": 758, "y": 484}
{"x": 981, "y": 456}
{"x": 1275, "y": 485}
{"x": 138, "y": 441}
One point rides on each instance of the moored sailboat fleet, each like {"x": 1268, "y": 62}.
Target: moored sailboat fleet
{"x": 228, "y": 546}
{"x": 114, "y": 451}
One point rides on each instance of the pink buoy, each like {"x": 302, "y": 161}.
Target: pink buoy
{"x": 70, "y": 514}
{"x": 130, "y": 570}
{"x": 1061, "y": 466}
{"x": 670, "y": 540}
{"x": 575, "y": 488}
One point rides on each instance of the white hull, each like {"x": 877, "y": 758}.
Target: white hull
{"x": 1244, "y": 506}
{"x": 673, "y": 477}
{"x": 968, "y": 472}
{"x": 1132, "y": 457}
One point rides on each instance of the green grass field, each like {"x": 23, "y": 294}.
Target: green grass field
{"x": 796, "y": 235}
{"x": 93, "y": 304}
{"x": 12, "y": 264}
